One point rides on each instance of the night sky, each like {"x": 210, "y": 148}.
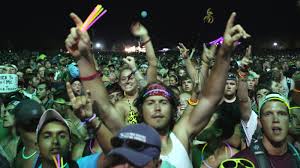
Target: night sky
{"x": 45, "y": 24}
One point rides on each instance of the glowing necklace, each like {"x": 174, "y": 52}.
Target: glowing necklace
{"x": 27, "y": 157}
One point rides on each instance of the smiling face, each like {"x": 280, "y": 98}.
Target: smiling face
{"x": 53, "y": 139}
{"x": 156, "y": 112}
{"x": 128, "y": 84}
{"x": 275, "y": 121}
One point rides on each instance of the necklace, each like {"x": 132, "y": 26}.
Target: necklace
{"x": 27, "y": 157}
{"x": 132, "y": 115}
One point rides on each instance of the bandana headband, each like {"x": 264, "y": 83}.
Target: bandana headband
{"x": 158, "y": 92}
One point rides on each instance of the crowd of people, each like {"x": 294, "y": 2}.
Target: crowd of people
{"x": 219, "y": 106}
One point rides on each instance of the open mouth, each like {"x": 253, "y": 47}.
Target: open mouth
{"x": 276, "y": 130}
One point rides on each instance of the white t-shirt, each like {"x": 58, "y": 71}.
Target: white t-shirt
{"x": 250, "y": 126}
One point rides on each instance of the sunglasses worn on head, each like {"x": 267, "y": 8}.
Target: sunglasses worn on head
{"x": 237, "y": 163}
{"x": 132, "y": 144}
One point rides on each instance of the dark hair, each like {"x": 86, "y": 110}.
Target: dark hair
{"x": 173, "y": 101}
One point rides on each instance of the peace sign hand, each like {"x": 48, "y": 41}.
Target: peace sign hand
{"x": 82, "y": 105}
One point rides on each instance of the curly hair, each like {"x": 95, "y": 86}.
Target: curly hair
{"x": 144, "y": 94}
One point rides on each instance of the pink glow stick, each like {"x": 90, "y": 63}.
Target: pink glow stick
{"x": 96, "y": 19}
{"x": 88, "y": 20}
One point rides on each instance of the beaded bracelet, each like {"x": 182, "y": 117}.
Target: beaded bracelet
{"x": 91, "y": 77}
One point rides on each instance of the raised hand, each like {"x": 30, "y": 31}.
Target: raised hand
{"x": 233, "y": 33}
{"x": 137, "y": 29}
{"x": 208, "y": 54}
{"x": 131, "y": 62}
{"x": 184, "y": 52}
{"x": 78, "y": 43}
{"x": 82, "y": 105}
{"x": 246, "y": 60}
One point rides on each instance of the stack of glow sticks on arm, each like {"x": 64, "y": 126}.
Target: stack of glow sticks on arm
{"x": 59, "y": 161}
{"x": 96, "y": 14}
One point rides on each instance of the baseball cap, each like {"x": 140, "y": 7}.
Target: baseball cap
{"x": 231, "y": 76}
{"x": 138, "y": 143}
{"x": 50, "y": 115}
{"x": 27, "y": 114}
{"x": 274, "y": 96}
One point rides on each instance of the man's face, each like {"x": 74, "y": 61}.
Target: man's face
{"x": 183, "y": 98}
{"x": 48, "y": 65}
{"x": 128, "y": 84}
{"x": 76, "y": 87}
{"x": 8, "y": 117}
{"x": 173, "y": 81}
{"x": 187, "y": 85}
{"x": 260, "y": 94}
{"x": 41, "y": 91}
{"x": 181, "y": 72}
{"x": 35, "y": 81}
{"x": 20, "y": 75}
{"x": 28, "y": 70}
{"x": 157, "y": 112}
{"x": 54, "y": 139}
{"x": 275, "y": 121}
{"x": 230, "y": 88}
{"x": 277, "y": 87}
{"x": 11, "y": 70}
{"x": 114, "y": 97}
{"x": 42, "y": 72}
{"x": 295, "y": 122}
{"x": 251, "y": 83}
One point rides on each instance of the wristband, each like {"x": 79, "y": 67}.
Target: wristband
{"x": 144, "y": 43}
{"x": 193, "y": 102}
{"x": 87, "y": 120}
{"x": 91, "y": 77}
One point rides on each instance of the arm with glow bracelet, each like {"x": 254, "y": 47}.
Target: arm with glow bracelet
{"x": 78, "y": 44}
{"x": 191, "y": 124}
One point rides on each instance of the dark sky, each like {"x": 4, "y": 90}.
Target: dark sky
{"x": 45, "y": 24}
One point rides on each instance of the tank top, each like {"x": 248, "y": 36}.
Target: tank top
{"x": 178, "y": 157}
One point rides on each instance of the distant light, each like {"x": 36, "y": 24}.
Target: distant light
{"x": 98, "y": 45}
{"x": 275, "y": 44}
{"x": 135, "y": 49}
{"x": 164, "y": 50}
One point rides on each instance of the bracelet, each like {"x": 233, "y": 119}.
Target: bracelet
{"x": 144, "y": 43}
{"x": 91, "y": 77}
{"x": 87, "y": 120}
{"x": 296, "y": 90}
{"x": 193, "y": 102}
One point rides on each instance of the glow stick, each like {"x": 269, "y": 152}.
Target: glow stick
{"x": 95, "y": 16}
{"x": 55, "y": 161}
{"x": 58, "y": 160}
{"x": 97, "y": 8}
{"x": 96, "y": 19}
{"x": 62, "y": 162}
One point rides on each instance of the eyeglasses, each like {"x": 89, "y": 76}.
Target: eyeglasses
{"x": 237, "y": 163}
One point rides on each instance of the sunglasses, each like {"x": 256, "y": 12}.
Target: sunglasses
{"x": 132, "y": 144}
{"x": 237, "y": 163}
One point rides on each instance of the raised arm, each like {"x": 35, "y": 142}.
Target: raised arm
{"x": 138, "y": 75}
{"x": 242, "y": 92}
{"x": 140, "y": 31}
{"x": 79, "y": 45}
{"x": 82, "y": 106}
{"x": 190, "y": 68}
{"x": 192, "y": 124}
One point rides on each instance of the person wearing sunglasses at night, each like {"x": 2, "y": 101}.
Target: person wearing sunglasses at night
{"x": 273, "y": 150}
